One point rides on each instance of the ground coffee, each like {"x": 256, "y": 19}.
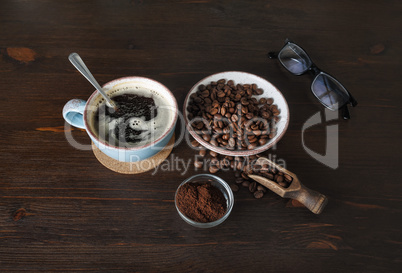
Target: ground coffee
{"x": 201, "y": 202}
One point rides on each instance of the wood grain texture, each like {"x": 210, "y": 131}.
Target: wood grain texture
{"x": 60, "y": 210}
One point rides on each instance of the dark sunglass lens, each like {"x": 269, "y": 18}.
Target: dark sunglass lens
{"x": 329, "y": 91}
{"x": 294, "y": 59}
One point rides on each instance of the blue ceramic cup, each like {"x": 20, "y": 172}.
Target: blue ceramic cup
{"x": 81, "y": 114}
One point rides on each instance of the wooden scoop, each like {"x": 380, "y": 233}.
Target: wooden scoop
{"x": 313, "y": 200}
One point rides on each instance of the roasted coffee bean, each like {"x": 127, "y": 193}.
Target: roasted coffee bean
{"x": 251, "y": 146}
{"x": 215, "y": 161}
{"x": 279, "y": 178}
{"x": 244, "y": 101}
{"x": 232, "y": 142}
{"x": 202, "y": 152}
{"x": 213, "y": 169}
{"x": 195, "y": 143}
{"x": 199, "y": 125}
{"x": 270, "y": 176}
{"x": 234, "y": 187}
{"x": 288, "y": 178}
{"x": 258, "y": 194}
{"x": 205, "y": 93}
{"x": 214, "y": 111}
{"x": 261, "y": 188}
{"x": 213, "y": 154}
{"x": 252, "y": 187}
{"x": 198, "y": 164}
{"x": 214, "y": 142}
{"x": 249, "y": 115}
{"x": 244, "y": 175}
{"x": 206, "y": 137}
{"x": 239, "y": 180}
{"x": 283, "y": 184}
{"x": 245, "y": 183}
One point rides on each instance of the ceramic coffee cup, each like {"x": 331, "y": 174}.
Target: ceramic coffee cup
{"x": 82, "y": 114}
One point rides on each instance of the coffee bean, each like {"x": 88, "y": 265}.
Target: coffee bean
{"x": 249, "y": 115}
{"x": 206, "y": 137}
{"x": 272, "y": 135}
{"x": 213, "y": 169}
{"x": 239, "y": 180}
{"x": 214, "y": 142}
{"x": 205, "y": 93}
{"x": 245, "y": 183}
{"x": 252, "y": 187}
{"x": 261, "y": 188}
{"x": 232, "y": 142}
{"x": 198, "y": 164}
{"x": 251, "y": 146}
{"x": 244, "y": 101}
{"x": 270, "y": 176}
{"x": 234, "y": 187}
{"x": 215, "y": 161}
{"x": 288, "y": 178}
{"x": 195, "y": 143}
{"x": 283, "y": 184}
{"x": 258, "y": 194}
{"x": 202, "y": 152}
{"x": 214, "y": 111}
{"x": 213, "y": 154}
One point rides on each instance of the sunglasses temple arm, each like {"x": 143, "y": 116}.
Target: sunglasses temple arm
{"x": 352, "y": 100}
{"x": 272, "y": 55}
{"x": 345, "y": 112}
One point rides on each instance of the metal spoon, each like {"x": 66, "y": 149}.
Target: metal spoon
{"x": 78, "y": 63}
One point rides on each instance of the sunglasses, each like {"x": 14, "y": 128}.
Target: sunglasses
{"x": 330, "y": 92}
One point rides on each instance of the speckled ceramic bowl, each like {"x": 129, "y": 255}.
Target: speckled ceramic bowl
{"x": 270, "y": 91}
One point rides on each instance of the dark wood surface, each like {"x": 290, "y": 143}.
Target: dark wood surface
{"x": 61, "y": 210}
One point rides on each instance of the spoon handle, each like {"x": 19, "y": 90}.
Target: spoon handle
{"x": 79, "y": 64}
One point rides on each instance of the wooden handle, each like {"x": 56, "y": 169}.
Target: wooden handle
{"x": 313, "y": 200}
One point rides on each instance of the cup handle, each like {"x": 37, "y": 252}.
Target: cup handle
{"x": 73, "y": 112}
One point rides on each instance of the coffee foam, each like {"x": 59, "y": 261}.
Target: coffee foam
{"x": 151, "y": 129}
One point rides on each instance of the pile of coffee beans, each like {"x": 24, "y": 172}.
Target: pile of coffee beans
{"x": 228, "y": 116}
{"x": 241, "y": 166}
{"x": 273, "y": 174}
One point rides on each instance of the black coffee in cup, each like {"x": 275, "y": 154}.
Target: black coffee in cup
{"x": 142, "y": 117}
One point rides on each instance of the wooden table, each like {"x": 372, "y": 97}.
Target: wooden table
{"x": 61, "y": 210}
